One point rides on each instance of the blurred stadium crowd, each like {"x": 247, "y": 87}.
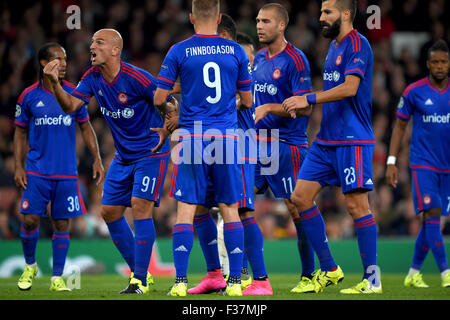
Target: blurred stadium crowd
{"x": 150, "y": 27}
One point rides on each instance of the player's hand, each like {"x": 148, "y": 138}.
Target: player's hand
{"x": 20, "y": 178}
{"x": 261, "y": 112}
{"x": 171, "y": 122}
{"x": 163, "y": 135}
{"x": 98, "y": 172}
{"x": 392, "y": 175}
{"x": 51, "y": 71}
{"x": 290, "y": 105}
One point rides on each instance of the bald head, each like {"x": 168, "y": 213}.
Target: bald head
{"x": 112, "y": 36}
{"x": 106, "y": 44}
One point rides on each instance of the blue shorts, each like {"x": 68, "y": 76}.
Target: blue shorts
{"x": 431, "y": 190}
{"x": 198, "y": 163}
{"x": 64, "y": 195}
{"x": 349, "y": 167}
{"x": 282, "y": 182}
{"x": 247, "y": 203}
{"x": 143, "y": 178}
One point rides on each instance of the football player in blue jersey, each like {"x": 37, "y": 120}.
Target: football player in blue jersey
{"x": 428, "y": 102}
{"x": 280, "y": 71}
{"x": 51, "y": 173}
{"x": 136, "y": 176}
{"x": 342, "y": 151}
{"x": 210, "y": 68}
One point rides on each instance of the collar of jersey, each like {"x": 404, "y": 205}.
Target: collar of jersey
{"x": 343, "y": 39}
{"x": 206, "y": 35}
{"x": 115, "y": 78}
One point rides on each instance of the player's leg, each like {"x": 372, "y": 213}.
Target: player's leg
{"x": 33, "y": 206}
{"x": 182, "y": 241}
{"x": 207, "y": 233}
{"x": 414, "y": 278}
{"x": 435, "y": 240}
{"x": 66, "y": 204}
{"x": 116, "y": 197}
{"x": 60, "y": 248}
{"x": 253, "y": 244}
{"x": 354, "y": 168}
{"x": 233, "y": 235}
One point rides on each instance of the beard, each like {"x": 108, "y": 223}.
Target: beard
{"x": 332, "y": 31}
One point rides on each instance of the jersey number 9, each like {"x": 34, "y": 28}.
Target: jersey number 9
{"x": 216, "y": 84}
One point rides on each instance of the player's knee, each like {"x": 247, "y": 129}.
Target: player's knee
{"x": 301, "y": 201}
{"x": 142, "y": 209}
{"x": 356, "y": 208}
{"x": 30, "y": 221}
{"x": 432, "y": 213}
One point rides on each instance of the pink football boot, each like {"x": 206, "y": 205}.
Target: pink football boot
{"x": 258, "y": 288}
{"x": 213, "y": 282}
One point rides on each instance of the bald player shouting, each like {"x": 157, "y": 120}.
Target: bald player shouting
{"x": 136, "y": 176}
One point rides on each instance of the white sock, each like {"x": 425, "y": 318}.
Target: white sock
{"x": 31, "y": 265}
{"x": 412, "y": 271}
{"x": 443, "y": 273}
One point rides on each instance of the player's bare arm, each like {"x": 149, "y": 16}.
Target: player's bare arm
{"x": 167, "y": 111}
{"x": 277, "y": 109}
{"x": 90, "y": 138}
{"x": 346, "y": 90}
{"x": 68, "y": 103}
{"x": 394, "y": 147}
{"x": 246, "y": 100}
{"x": 20, "y": 141}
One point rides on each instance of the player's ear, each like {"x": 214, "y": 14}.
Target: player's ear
{"x": 191, "y": 18}
{"x": 219, "y": 18}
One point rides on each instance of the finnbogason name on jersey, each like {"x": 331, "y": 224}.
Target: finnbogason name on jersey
{"x": 206, "y": 50}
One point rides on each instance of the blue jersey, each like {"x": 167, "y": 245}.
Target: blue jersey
{"x": 210, "y": 68}
{"x": 348, "y": 121}
{"x": 127, "y": 105}
{"x": 51, "y": 132}
{"x": 277, "y": 78}
{"x": 430, "y": 109}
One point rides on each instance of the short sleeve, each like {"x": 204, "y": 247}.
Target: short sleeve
{"x": 359, "y": 58}
{"x": 22, "y": 116}
{"x": 169, "y": 70}
{"x": 244, "y": 82}
{"x": 84, "y": 89}
{"x": 405, "y": 107}
{"x": 300, "y": 76}
{"x": 82, "y": 115}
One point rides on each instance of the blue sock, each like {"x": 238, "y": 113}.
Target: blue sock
{"x": 233, "y": 235}
{"x": 144, "y": 231}
{"x": 435, "y": 241}
{"x": 305, "y": 249}
{"x": 122, "y": 236}
{"x": 253, "y": 242}
{"x": 29, "y": 240}
{"x": 314, "y": 226}
{"x": 244, "y": 256}
{"x": 421, "y": 249}
{"x": 183, "y": 238}
{"x": 366, "y": 232}
{"x": 60, "y": 244}
{"x": 206, "y": 229}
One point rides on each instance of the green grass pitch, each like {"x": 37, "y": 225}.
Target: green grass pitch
{"x": 106, "y": 287}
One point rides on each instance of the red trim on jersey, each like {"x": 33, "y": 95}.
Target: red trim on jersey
{"x": 157, "y": 155}
{"x": 115, "y": 78}
{"x": 354, "y": 69}
{"x": 92, "y": 69}
{"x": 403, "y": 116}
{"x": 20, "y": 124}
{"x": 413, "y": 85}
{"x": 430, "y": 168}
{"x": 80, "y": 198}
{"x": 207, "y": 35}
{"x": 209, "y": 135}
{"x": 160, "y": 177}
{"x": 297, "y": 57}
{"x": 52, "y": 175}
{"x": 419, "y": 198}
{"x": 345, "y": 141}
{"x": 336, "y": 45}
{"x": 165, "y": 79}
{"x": 82, "y": 120}
{"x": 81, "y": 94}
{"x": 137, "y": 73}
{"x": 26, "y": 91}
{"x": 67, "y": 83}
{"x": 298, "y": 91}
{"x": 244, "y": 81}
{"x": 436, "y": 89}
